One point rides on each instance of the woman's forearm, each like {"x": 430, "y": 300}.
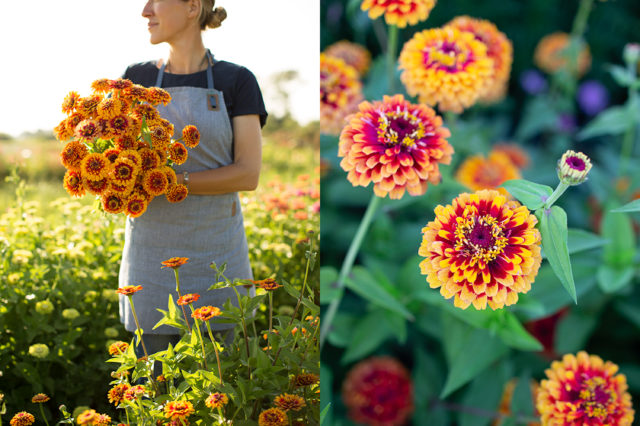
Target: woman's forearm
{"x": 232, "y": 178}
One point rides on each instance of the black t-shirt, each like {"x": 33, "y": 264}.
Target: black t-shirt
{"x": 239, "y": 86}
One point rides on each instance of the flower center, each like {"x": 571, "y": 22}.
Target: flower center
{"x": 400, "y": 127}
{"x": 446, "y": 56}
{"x": 593, "y": 398}
{"x": 576, "y": 163}
{"x": 480, "y": 237}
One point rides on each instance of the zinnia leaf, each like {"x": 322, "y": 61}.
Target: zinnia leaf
{"x": 531, "y": 194}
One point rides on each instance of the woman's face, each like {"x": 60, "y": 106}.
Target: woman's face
{"x": 168, "y": 19}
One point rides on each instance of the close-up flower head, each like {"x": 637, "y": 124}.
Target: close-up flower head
{"x": 573, "y": 168}
{"x": 482, "y": 249}
{"x": 446, "y": 67}
{"x": 583, "y": 389}
{"x": 396, "y": 145}
{"x": 340, "y": 93}
{"x": 399, "y": 12}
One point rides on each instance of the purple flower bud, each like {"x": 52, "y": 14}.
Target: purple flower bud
{"x": 592, "y": 97}
{"x": 533, "y": 82}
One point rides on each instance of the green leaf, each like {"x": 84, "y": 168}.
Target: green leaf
{"x": 326, "y": 390}
{"x": 328, "y": 291}
{"x": 522, "y": 400}
{"x": 580, "y": 240}
{"x": 573, "y": 331}
{"x": 324, "y": 412}
{"x": 469, "y": 352}
{"x": 484, "y": 393}
{"x": 539, "y": 115}
{"x": 553, "y": 227}
{"x": 373, "y": 290}
{"x": 369, "y": 333}
{"x": 633, "y": 206}
{"x": 621, "y": 249}
{"x": 630, "y": 311}
{"x": 613, "y": 121}
{"x": 531, "y": 194}
{"x": 614, "y": 278}
{"x": 513, "y": 333}
{"x": 621, "y": 75}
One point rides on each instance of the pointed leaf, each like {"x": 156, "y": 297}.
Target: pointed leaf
{"x": 373, "y": 290}
{"x": 553, "y": 227}
{"x": 613, "y": 121}
{"x": 369, "y": 333}
{"x": 633, "y": 206}
{"x": 612, "y": 279}
{"x": 531, "y": 194}
{"x": 328, "y": 291}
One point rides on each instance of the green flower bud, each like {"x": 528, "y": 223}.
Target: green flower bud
{"x": 631, "y": 53}
{"x": 70, "y": 314}
{"x": 573, "y": 168}
{"x": 39, "y": 350}
{"x": 111, "y": 332}
{"x": 44, "y": 307}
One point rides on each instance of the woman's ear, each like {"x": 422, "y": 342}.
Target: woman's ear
{"x": 194, "y": 8}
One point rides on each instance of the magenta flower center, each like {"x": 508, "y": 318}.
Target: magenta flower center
{"x": 576, "y": 163}
{"x": 400, "y": 128}
{"x": 592, "y": 397}
{"x": 447, "y": 56}
{"x": 481, "y": 236}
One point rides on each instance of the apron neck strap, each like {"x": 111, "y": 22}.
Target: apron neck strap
{"x": 211, "y": 61}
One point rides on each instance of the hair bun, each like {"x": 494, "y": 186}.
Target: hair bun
{"x": 216, "y": 16}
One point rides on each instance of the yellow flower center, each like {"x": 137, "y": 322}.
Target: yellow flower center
{"x": 594, "y": 399}
{"x": 447, "y": 55}
{"x": 400, "y": 127}
{"x": 479, "y": 237}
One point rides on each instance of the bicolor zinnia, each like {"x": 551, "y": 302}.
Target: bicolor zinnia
{"x": 340, "y": 93}
{"x": 477, "y": 172}
{"x": 178, "y": 410}
{"x": 447, "y": 67}
{"x": 399, "y": 12}
{"x": 396, "y": 145}
{"x": 482, "y": 249}
{"x": 584, "y": 390}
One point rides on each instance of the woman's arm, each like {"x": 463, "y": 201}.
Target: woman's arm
{"x": 244, "y": 172}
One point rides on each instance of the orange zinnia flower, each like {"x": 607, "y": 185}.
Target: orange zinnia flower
{"x": 216, "y": 400}
{"x": 584, "y": 390}
{"x": 175, "y": 262}
{"x": 134, "y": 391}
{"x": 117, "y": 348}
{"x": 396, "y": 145}
{"x": 69, "y": 103}
{"x": 188, "y": 299}
{"x": 88, "y": 106}
{"x": 447, "y": 67}
{"x": 159, "y": 136}
{"x": 108, "y": 108}
{"x": 73, "y": 183}
{"x": 352, "y": 54}
{"x": 273, "y": 417}
{"x": 156, "y": 95}
{"x": 305, "y": 379}
{"x": 129, "y": 290}
{"x": 477, "y": 172}
{"x": 399, "y": 12}
{"x": 178, "y": 153}
{"x": 268, "y": 284}
{"x": 499, "y": 49}
{"x": 191, "y": 136}
{"x": 120, "y": 84}
{"x": 101, "y": 85}
{"x": 112, "y": 154}
{"x": 155, "y": 182}
{"x": 96, "y": 187}
{"x": 177, "y": 193}
{"x": 205, "y": 313}
{"x": 124, "y": 170}
{"x": 119, "y": 125}
{"x": 112, "y": 202}
{"x": 88, "y": 130}
{"x": 72, "y": 155}
{"x": 481, "y": 249}
{"x": 340, "y": 93}
{"x": 40, "y": 398}
{"x": 87, "y": 417}
{"x": 101, "y": 420}
{"x": 135, "y": 205}
{"x": 378, "y": 391}
{"x": 551, "y": 55}
{"x": 116, "y": 393}
{"x": 22, "y": 419}
{"x": 178, "y": 410}
{"x": 95, "y": 166}
{"x": 289, "y": 402}
{"x": 171, "y": 175}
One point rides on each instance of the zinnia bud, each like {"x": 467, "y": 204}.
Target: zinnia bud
{"x": 573, "y": 168}
{"x": 631, "y": 53}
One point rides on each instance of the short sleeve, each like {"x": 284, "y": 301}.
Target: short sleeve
{"x": 248, "y": 97}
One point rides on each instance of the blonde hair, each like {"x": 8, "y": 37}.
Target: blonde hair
{"x": 210, "y": 16}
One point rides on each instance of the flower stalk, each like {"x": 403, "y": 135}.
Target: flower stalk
{"x": 204, "y": 356}
{"x": 215, "y": 347}
{"x": 244, "y": 327}
{"x": 184, "y": 312}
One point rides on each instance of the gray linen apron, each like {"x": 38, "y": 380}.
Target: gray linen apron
{"x": 204, "y": 228}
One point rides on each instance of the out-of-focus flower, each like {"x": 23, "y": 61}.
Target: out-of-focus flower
{"x": 631, "y": 53}
{"x": 39, "y": 350}
{"x": 566, "y": 123}
{"x": 216, "y": 400}
{"x": 584, "y": 390}
{"x": 178, "y": 410}
{"x": 340, "y": 93}
{"x": 175, "y": 262}
{"x": 396, "y": 145}
{"x": 205, "y": 313}
{"x": 482, "y": 249}
{"x": 352, "y": 54}
{"x": 273, "y": 417}
{"x": 135, "y": 392}
{"x": 378, "y": 392}
{"x": 305, "y": 379}
{"x": 268, "y": 284}
{"x": 22, "y": 419}
{"x": 70, "y": 314}
{"x": 399, "y": 12}
{"x": 116, "y": 393}
{"x": 533, "y": 82}
{"x": 129, "y": 290}
{"x": 592, "y": 97}
{"x": 517, "y": 155}
{"x": 289, "y": 402}
{"x": 447, "y": 67}
{"x": 101, "y": 420}
{"x": 87, "y": 417}
{"x": 191, "y": 136}
{"x": 573, "y": 167}
{"x": 551, "y": 55}
{"x": 507, "y": 397}
{"x": 188, "y": 299}
{"x": 118, "y": 348}
{"x": 478, "y": 172}
{"x": 499, "y": 48}
{"x": 44, "y": 307}
{"x": 40, "y": 398}
{"x": 544, "y": 330}
{"x": 110, "y": 332}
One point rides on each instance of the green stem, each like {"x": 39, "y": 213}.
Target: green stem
{"x": 215, "y": 347}
{"x": 184, "y": 312}
{"x": 43, "y": 416}
{"x": 582, "y": 16}
{"x": 556, "y": 194}
{"x": 135, "y": 317}
{"x": 204, "y": 355}
{"x": 270, "y": 321}
{"x": 244, "y": 327}
{"x": 392, "y": 49}
{"x": 304, "y": 283}
{"x": 629, "y": 135}
{"x": 347, "y": 264}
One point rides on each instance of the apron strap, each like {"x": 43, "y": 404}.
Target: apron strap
{"x": 211, "y": 61}
{"x": 160, "y": 74}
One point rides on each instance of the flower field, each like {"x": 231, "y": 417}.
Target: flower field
{"x": 59, "y": 313}
{"x": 479, "y": 213}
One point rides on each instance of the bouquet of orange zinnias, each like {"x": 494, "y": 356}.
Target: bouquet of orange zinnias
{"x": 120, "y": 149}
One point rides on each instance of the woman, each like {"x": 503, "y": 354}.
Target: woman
{"x": 224, "y": 102}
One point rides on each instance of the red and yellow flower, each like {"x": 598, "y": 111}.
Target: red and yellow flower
{"x": 482, "y": 249}
{"x": 289, "y": 402}
{"x": 129, "y": 290}
{"x": 205, "y": 313}
{"x": 96, "y": 187}
{"x": 378, "y": 391}
{"x": 177, "y": 193}
{"x": 305, "y": 379}
{"x": 478, "y": 172}
{"x": 273, "y": 417}
{"x": 73, "y": 183}
{"x": 191, "y": 136}
{"x": 40, "y": 398}
{"x": 340, "y": 93}
{"x": 399, "y": 12}
{"x": 70, "y": 101}
{"x": 499, "y": 48}
{"x": 135, "y": 205}
{"x": 155, "y": 182}
{"x": 584, "y": 390}
{"x": 112, "y": 202}
{"x": 551, "y": 55}
{"x": 178, "y": 153}
{"x": 352, "y": 54}
{"x": 22, "y": 419}
{"x": 268, "y": 284}
{"x": 95, "y": 166}
{"x": 446, "y": 67}
{"x": 188, "y": 299}
{"x": 72, "y": 155}
{"x": 175, "y": 262}
{"x": 216, "y": 400}
{"x": 178, "y": 410}
{"x": 396, "y": 145}
{"x": 116, "y": 393}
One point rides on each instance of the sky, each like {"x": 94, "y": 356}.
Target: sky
{"x": 48, "y": 48}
